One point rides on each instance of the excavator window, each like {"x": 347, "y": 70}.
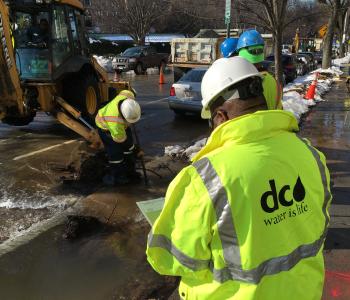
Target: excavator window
{"x": 61, "y": 47}
{"x": 32, "y": 36}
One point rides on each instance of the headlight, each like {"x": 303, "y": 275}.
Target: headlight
{"x": 132, "y": 59}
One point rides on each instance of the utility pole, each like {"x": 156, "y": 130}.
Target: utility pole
{"x": 228, "y": 17}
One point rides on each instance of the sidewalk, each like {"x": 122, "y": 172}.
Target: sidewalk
{"x": 327, "y": 126}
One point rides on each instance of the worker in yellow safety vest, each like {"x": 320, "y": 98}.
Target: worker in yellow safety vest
{"x": 113, "y": 122}
{"x": 251, "y": 47}
{"x": 248, "y": 219}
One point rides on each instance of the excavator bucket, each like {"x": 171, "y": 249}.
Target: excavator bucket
{"x": 11, "y": 94}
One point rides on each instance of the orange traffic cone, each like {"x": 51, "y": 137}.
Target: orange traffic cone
{"x": 116, "y": 76}
{"x": 161, "y": 76}
{"x": 310, "y": 95}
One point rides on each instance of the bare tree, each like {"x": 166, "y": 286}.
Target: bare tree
{"x": 342, "y": 25}
{"x": 136, "y": 17}
{"x": 269, "y": 14}
{"x": 335, "y": 8}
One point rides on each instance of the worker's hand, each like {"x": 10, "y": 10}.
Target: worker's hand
{"x": 138, "y": 152}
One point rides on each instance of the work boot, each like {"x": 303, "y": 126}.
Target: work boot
{"x": 117, "y": 175}
{"x": 131, "y": 170}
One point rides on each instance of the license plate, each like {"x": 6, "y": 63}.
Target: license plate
{"x": 121, "y": 67}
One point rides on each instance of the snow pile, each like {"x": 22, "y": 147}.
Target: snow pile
{"x": 94, "y": 41}
{"x": 339, "y": 61}
{"x": 295, "y": 103}
{"x": 180, "y": 152}
{"x": 106, "y": 62}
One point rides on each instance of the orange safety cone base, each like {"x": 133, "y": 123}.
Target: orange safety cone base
{"x": 161, "y": 77}
{"x": 310, "y": 95}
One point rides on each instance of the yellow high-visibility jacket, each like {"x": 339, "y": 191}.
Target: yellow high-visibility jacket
{"x": 248, "y": 219}
{"x": 273, "y": 91}
{"x": 110, "y": 119}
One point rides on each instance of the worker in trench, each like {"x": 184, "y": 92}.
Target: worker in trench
{"x": 113, "y": 121}
{"x": 250, "y": 45}
{"x": 248, "y": 218}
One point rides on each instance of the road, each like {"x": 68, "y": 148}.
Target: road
{"x": 30, "y": 190}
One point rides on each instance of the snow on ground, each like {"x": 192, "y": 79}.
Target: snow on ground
{"x": 293, "y": 101}
{"x": 106, "y": 62}
{"x": 339, "y": 61}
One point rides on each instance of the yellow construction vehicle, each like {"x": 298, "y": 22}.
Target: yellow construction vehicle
{"x": 45, "y": 65}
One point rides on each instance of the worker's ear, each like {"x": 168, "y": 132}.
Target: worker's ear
{"x": 220, "y": 118}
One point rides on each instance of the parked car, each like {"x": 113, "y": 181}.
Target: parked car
{"x": 313, "y": 60}
{"x": 269, "y": 66}
{"x": 286, "y": 48}
{"x": 306, "y": 63}
{"x": 289, "y": 65}
{"x": 318, "y": 56}
{"x": 140, "y": 59}
{"x": 185, "y": 94}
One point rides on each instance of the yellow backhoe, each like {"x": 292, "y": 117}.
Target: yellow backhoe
{"x": 45, "y": 65}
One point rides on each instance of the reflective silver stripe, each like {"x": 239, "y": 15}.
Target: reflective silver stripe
{"x": 275, "y": 265}
{"x": 270, "y": 267}
{"x": 223, "y": 211}
{"x": 116, "y": 161}
{"x": 327, "y": 193}
{"x": 132, "y": 148}
{"x": 128, "y": 153}
{"x": 161, "y": 241}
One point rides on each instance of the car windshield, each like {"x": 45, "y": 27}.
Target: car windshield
{"x": 132, "y": 51}
{"x": 193, "y": 76}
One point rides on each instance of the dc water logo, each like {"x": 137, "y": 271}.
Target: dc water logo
{"x": 273, "y": 201}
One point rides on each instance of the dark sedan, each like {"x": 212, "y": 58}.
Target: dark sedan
{"x": 289, "y": 65}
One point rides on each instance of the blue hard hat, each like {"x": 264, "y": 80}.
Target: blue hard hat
{"x": 250, "y": 38}
{"x": 228, "y": 47}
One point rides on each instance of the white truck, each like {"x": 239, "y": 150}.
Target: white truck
{"x": 189, "y": 53}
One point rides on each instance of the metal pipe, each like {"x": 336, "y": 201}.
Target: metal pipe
{"x": 133, "y": 127}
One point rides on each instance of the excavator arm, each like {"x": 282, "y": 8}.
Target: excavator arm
{"x": 11, "y": 94}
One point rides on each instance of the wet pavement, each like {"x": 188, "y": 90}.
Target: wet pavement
{"x": 109, "y": 263}
{"x": 35, "y": 262}
{"x": 327, "y": 126}
{"x": 30, "y": 189}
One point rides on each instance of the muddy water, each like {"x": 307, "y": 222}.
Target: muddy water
{"x": 52, "y": 268}
{"x": 105, "y": 262}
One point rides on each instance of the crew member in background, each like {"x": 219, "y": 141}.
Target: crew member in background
{"x": 251, "y": 46}
{"x": 113, "y": 122}
{"x": 228, "y": 47}
{"x": 248, "y": 219}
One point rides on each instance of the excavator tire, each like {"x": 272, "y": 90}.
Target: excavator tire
{"x": 83, "y": 93}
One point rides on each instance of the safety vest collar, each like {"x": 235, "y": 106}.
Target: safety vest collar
{"x": 248, "y": 128}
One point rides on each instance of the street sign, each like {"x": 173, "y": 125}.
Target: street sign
{"x": 228, "y": 12}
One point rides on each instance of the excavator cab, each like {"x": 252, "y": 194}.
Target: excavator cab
{"x": 47, "y": 34}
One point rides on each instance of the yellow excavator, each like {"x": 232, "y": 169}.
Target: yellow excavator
{"x": 45, "y": 65}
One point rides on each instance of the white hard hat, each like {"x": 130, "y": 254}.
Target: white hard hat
{"x": 222, "y": 74}
{"x": 130, "y": 110}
